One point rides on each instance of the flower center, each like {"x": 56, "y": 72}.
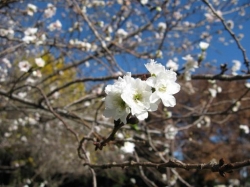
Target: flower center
{"x": 120, "y": 103}
{"x": 137, "y": 97}
{"x": 162, "y": 88}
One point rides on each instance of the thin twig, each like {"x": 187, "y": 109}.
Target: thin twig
{"x": 117, "y": 125}
{"x": 246, "y": 61}
{"x": 73, "y": 132}
{"x": 144, "y": 177}
{"x": 56, "y": 114}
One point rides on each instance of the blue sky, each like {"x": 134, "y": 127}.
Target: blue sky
{"x": 217, "y": 52}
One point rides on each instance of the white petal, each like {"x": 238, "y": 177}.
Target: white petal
{"x": 151, "y": 81}
{"x": 173, "y": 88}
{"x": 142, "y": 116}
{"x": 124, "y": 119}
{"x": 169, "y": 101}
{"x": 154, "y": 68}
{"x": 153, "y": 106}
{"x": 154, "y": 97}
{"x": 108, "y": 113}
{"x": 204, "y": 45}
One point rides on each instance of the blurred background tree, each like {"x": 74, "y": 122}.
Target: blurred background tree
{"x": 56, "y": 57}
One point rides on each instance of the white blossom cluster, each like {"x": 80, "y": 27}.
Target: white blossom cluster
{"x": 30, "y": 36}
{"x": 25, "y": 66}
{"x": 236, "y": 67}
{"x": 49, "y": 12}
{"x": 138, "y": 97}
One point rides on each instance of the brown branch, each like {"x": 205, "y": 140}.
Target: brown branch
{"x": 7, "y": 169}
{"x": 11, "y": 49}
{"x": 221, "y": 77}
{"x": 237, "y": 100}
{"x": 107, "y": 78}
{"x": 117, "y": 125}
{"x": 220, "y": 167}
{"x": 6, "y": 3}
{"x": 144, "y": 178}
{"x": 180, "y": 178}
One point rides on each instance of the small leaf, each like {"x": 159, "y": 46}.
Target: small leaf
{"x": 134, "y": 126}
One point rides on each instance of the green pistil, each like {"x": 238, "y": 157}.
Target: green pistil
{"x": 137, "y": 97}
{"x": 162, "y": 89}
{"x": 121, "y": 103}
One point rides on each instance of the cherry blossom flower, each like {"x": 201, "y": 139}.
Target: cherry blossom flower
{"x": 236, "y": 106}
{"x": 24, "y": 66}
{"x": 240, "y": 36}
{"x": 172, "y": 65}
{"x": 154, "y": 68}
{"x": 158, "y": 9}
{"x": 24, "y": 139}
{"x": 163, "y": 81}
{"x": 165, "y": 86}
{"x": 136, "y": 95}
{"x": 191, "y": 64}
{"x": 29, "y": 39}
{"x": 215, "y": 89}
{"x": 213, "y": 92}
{"x": 98, "y": 3}
{"x": 159, "y": 54}
{"x": 50, "y": 11}
{"x": 7, "y": 33}
{"x": 30, "y": 80}
{"x": 236, "y": 67}
{"x": 247, "y": 84}
{"x": 211, "y": 17}
{"x": 170, "y": 132}
{"x": 85, "y": 46}
{"x": 39, "y": 62}
{"x": 41, "y": 39}
{"x": 31, "y": 9}
{"x": 245, "y": 128}
{"x": 242, "y": 12}
{"x": 115, "y": 106}
{"x": 29, "y": 35}
{"x": 230, "y": 24}
{"x": 57, "y": 25}
{"x": 203, "y": 45}
{"x": 22, "y": 94}
{"x": 30, "y": 31}
{"x": 7, "y": 62}
{"x": 177, "y": 15}
{"x": 121, "y": 33}
{"x": 162, "y": 26}
{"x": 128, "y": 147}
{"x": 37, "y": 73}
{"x": 144, "y": 2}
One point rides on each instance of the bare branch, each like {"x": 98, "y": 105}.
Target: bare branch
{"x": 176, "y": 164}
{"x": 246, "y": 60}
